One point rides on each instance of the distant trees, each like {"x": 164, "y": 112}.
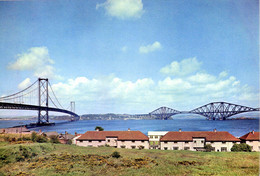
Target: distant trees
{"x": 243, "y": 147}
{"x": 99, "y": 128}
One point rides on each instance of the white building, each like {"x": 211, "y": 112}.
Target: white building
{"x": 196, "y": 140}
{"x": 252, "y": 139}
{"x": 154, "y": 138}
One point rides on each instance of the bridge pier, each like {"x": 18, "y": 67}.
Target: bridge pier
{"x": 43, "y": 96}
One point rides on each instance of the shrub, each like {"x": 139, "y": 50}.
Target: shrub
{"x": 116, "y": 154}
{"x": 41, "y": 139}
{"x": 54, "y": 139}
{"x": 34, "y": 136}
{"x": 208, "y": 148}
{"x": 140, "y": 147}
{"x": 241, "y": 148}
{"x": 69, "y": 142}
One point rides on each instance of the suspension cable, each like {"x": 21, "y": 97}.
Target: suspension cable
{"x": 55, "y": 96}
{"x": 18, "y": 92}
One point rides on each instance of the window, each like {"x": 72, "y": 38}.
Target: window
{"x": 156, "y": 137}
{"x": 89, "y": 141}
{"x": 175, "y": 142}
{"x": 165, "y": 148}
{"x": 108, "y": 140}
{"x": 133, "y": 141}
{"x": 202, "y": 141}
{"x": 195, "y": 141}
{"x": 186, "y": 142}
{"x": 223, "y": 149}
{"x": 123, "y": 141}
{"x": 81, "y": 141}
{"x": 223, "y": 142}
{"x": 142, "y": 141}
{"x": 186, "y": 148}
{"x": 133, "y": 147}
{"x": 212, "y": 142}
{"x": 165, "y": 142}
{"x": 213, "y": 148}
{"x": 99, "y": 141}
{"x": 175, "y": 148}
{"x": 122, "y": 146}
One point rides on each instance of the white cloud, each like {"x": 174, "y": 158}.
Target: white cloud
{"x": 183, "y": 92}
{"x": 202, "y": 78}
{"x": 25, "y": 83}
{"x": 124, "y": 48}
{"x": 150, "y": 48}
{"x": 223, "y": 74}
{"x": 123, "y": 9}
{"x": 36, "y": 59}
{"x": 183, "y": 68}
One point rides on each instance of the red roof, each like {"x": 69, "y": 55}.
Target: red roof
{"x": 120, "y": 135}
{"x": 208, "y": 135}
{"x": 251, "y": 136}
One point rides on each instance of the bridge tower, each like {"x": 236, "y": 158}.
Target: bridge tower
{"x": 43, "y": 97}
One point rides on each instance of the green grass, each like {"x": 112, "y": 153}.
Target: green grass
{"x": 57, "y": 159}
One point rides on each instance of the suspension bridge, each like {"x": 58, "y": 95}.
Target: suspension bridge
{"x": 212, "y": 111}
{"x": 38, "y": 97}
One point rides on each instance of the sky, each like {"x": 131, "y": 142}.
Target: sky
{"x": 132, "y": 56}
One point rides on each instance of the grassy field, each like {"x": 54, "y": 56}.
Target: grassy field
{"x": 57, "y": 159}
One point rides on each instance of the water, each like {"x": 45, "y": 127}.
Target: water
{"x": 186, "y": 123}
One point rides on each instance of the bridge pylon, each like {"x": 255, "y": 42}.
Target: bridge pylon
{"x": 43, "y": 98}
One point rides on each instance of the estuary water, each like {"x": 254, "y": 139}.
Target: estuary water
{"x": 184, "y": 122}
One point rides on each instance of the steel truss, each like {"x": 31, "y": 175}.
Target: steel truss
{"x": 221, "y": 110}
{"x": 164, "y": 113}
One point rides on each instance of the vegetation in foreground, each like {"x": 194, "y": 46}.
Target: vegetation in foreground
{"x": 57, "y": 159}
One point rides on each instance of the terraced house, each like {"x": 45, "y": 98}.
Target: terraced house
{"x": 252, "y": 139}
{"x": 196, "y": 140}
{"x": 119, "y": 139}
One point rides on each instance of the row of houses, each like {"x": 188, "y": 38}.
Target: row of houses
{"x": 164, "y": 140}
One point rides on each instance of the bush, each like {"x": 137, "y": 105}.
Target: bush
{"x": 54, "y": 139}
{"x": 140, "y": 147}
{"x": 241, "y": 148}
{"x": 208, "y": 148}
{"x": 69, "y": 142}
{"x": 34, "y": 136}
{"x": 41, "y": 139}
{"x": 116, "y": 154}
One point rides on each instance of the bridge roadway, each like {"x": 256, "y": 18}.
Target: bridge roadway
{"x": 4, "y": 105}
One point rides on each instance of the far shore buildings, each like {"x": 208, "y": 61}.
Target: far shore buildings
{"x": 196, "y": 140}
{"x": 252, "y": 139}
{"x": 118, "y": 139}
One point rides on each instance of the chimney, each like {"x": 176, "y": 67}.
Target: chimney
{"x": 180, "y": 130}
{"x": 76, "y": 133}
{"x": 253, "y": 132}
{"x": 215, "y": 130}
{"x": 129, "y": 129}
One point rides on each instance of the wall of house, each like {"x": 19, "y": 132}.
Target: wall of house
{"x": 87, "y": 143}
{"x": 131, "y": 144}
{"x": 176, "y": 145}
{"x": 218, "y": 146}
{"x": 254, "y": 144}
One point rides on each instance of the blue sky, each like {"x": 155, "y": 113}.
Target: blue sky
{"x": 133, "y": 56}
